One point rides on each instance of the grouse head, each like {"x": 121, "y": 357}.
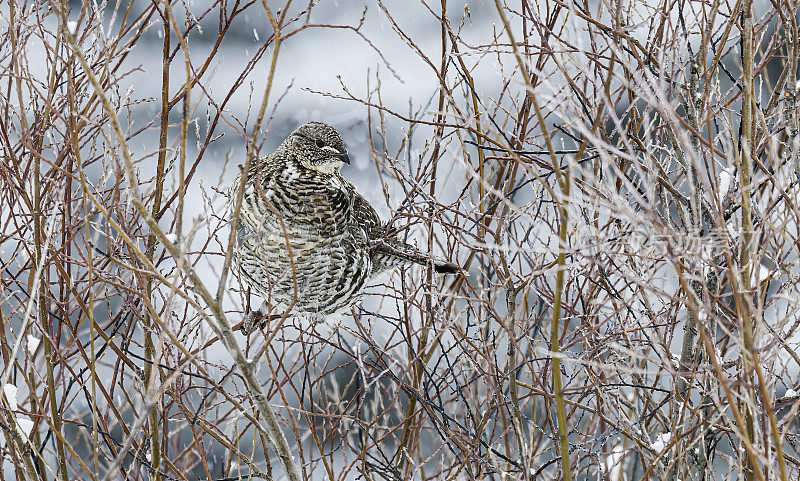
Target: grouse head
{"x": 318, "y": 147}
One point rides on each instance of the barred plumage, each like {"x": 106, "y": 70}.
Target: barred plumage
{"x": 305, "y": 237}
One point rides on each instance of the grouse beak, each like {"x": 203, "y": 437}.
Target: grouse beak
{"x": 345, "y": 158}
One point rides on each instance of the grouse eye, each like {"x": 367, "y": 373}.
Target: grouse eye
{"x": 320, "y": 144}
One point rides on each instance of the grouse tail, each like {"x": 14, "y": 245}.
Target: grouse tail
{"x": 393, "y": 254}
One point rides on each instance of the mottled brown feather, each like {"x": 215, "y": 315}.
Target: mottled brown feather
{"x": 305, "y": 237}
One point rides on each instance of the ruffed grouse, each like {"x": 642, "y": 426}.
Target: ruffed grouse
{"x": 305, "y": 237}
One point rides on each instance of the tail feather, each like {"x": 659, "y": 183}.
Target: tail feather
{"x": 394, "y": 254}
{"x": 445, "y": 268}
